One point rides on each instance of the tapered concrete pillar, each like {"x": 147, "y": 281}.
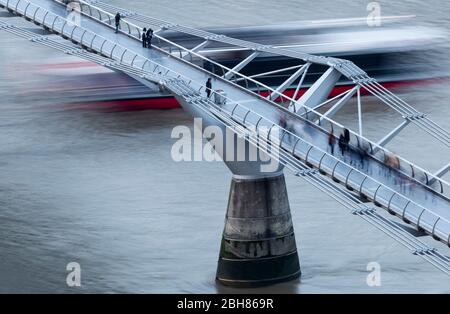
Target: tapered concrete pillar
{"x": 258, "y": 245}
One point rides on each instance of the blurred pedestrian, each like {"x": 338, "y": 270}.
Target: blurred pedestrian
{"x": 342, "y": 144}
{"x": 144, "y": 37}
{"x": 347, "y": 138}
{"x": 149, "y": 38}
{"x": 283, "y": 123}
{"x": 363, "y": 152}
{"x": 117, "y": 18}
{"x": 208, "y": 87}
{"x": 331, "y": 141}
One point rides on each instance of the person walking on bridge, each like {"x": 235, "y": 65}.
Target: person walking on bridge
{"x": 144, "y": 38}
{"x": 331, "y": 141}
{"x": 117, "y": 18}
{"x": 149, "y": 36}
{"x": 342, "y": 144}
{"x": 208, "y": 87}
{"x": 347, "y": 138}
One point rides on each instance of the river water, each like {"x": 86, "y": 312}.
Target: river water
{"x": 100, "y": 188}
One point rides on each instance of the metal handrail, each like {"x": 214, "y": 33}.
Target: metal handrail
{"x": 357, "y": 136}
{"x": 295, "y": 135}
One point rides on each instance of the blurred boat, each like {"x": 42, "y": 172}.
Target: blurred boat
{"x": 397, "y": 54}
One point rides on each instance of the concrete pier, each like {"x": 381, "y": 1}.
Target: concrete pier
{"x": 258, "y": 245}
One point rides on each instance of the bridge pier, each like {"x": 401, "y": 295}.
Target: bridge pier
{"x": 258, "y": 245}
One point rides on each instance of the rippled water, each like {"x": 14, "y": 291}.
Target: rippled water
{"x": 100, "y": 188}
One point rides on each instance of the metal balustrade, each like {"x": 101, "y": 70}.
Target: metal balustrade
{"x": 296, "y": 153}
{"x": 249, "y": 84}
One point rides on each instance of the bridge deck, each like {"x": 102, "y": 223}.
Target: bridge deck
{"x": 437, "y": 214}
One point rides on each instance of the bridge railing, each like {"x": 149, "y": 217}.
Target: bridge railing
{"x": 313, "y": 155}
{"x": 109, "y": 19}
{"x": 355, "y": 180}
{"x": 357, "y": 142}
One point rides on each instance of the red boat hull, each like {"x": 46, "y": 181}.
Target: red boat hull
{"x": 169, "y": 102}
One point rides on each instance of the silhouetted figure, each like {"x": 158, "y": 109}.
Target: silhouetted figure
{"x": 283, "y": 123}
{"x": 363, "y": 152}
{"x": 392, "y": 161}
{"x": 331, "y": 142}
{"x": 144, "y": 38}
{"x": 149, "y": 36}
{"x": 347, "y": 138}
{"x": 208, "y": 87}
{"x": 117, "y": 18}
{"x": 342, "y": 144}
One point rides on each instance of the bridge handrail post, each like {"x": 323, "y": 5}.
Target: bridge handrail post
{"x": 26, "y": 8}
{"x": 376, "y": 193}
{"x": 420, "y": 217}
{"x": 92, "y": 41}
{"x": 17, "y": 4}
{"x": 412, "y": 171}
{"x": 121, "y": 57}
{"x": 112, "y": 50}
{"x": 246, "y": 115}
{"x": 257, "y": 123}
{"x": 100, "y": 15}
{"x": 35, "y": 12}
{"x": 307, "y": 154}
{"x": 132, "y": 61}
{"x": 321, "y": 160}
{"x": 145, "y": 62}
{"x": 53, "y": 23}
{"x": 334, "y": 169}
{"x": 73, "y": 30}
{"x": 232, "y": 112}
{"x": 390, "y": 200}
{"x": 434, "y": 227}
{"x": 62, "y": 28}
{"x": 43, "y": 19}
{"x": 295, "y": 146}
{"x": 282, "y": 137}
{"x": 103, "y": 44}
{"x": 362, "y": 184}
{"x": 82, "y": 36}
{"x": 348, "y": 177}
{"x": 404, "y": 210}
{"x": 270, "y": 131}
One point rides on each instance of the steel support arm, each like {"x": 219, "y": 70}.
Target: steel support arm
{"x": 440, "y": 173}
{"x": 241, "y": 65}
{"x": 197, "y": 48}
{"x": 333, "y": 110}
{"x": 280, "y": 90}
{"x": 385, "y": 140}
{"x": 319, "y": 91}
{"x": 270, "y": 73}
